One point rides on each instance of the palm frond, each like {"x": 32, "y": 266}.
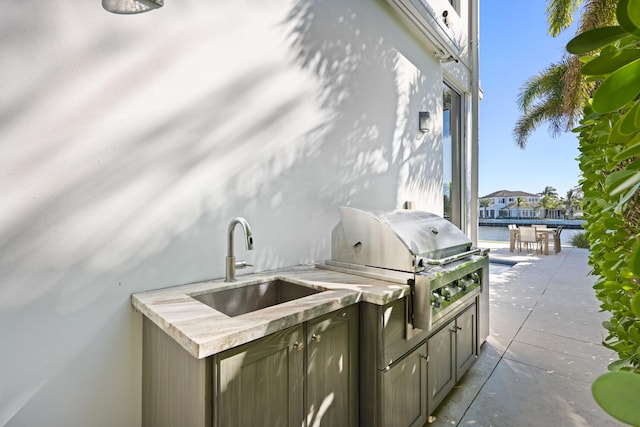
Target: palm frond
{"x": 527, "y": 123}
{"x": 547, "y": 83}
{"x": 558, "y": 94}
{"x": 546, "y": 110}
{"x": 560, "y": 14}
{"x": 530, "y": 90}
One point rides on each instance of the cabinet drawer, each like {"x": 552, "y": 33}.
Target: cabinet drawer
{"x": 386, "y": 329}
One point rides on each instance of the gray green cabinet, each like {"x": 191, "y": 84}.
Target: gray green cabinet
{"x": 306, "y": 374}
{"x": 404, "y": 390}
{"x": 176, "y": 387}
{"x": 332, "y": 369}
{"x": 393, "y": 367}
{"x": 451, "y": 352}
{"x": 466, "y": 340}
{"x": 360, "y": 365}
{"x": 261, "y": 382}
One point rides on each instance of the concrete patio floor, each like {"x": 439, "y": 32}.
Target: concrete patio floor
{"x": 544, "y": 348}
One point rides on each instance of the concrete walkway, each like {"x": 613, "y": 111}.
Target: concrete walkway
{"x": 544, "y": 349}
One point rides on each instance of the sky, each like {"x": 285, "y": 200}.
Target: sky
{"x": 514, "y": 46}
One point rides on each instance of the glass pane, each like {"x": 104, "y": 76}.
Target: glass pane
{"x": 447, "y": 161}
{"x": 451, "y": 170}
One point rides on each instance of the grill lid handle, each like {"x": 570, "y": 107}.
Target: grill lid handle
{"x": 447, "y": 260}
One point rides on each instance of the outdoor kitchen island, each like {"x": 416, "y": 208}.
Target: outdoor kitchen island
{"x": 348, "y": 355}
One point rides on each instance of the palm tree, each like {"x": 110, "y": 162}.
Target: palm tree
{"x": 549, "y": 191}
{"x": 558, "y": 93}
{"x": 549, "y": 199}
{"x": 546, "y": 204}
{"x": 484, "y": 204}
{"x": 571, "y": 202}
{"x": 520, "y": 201}
{"x": 541, "y": 100}
{"x": 550, "y": 203}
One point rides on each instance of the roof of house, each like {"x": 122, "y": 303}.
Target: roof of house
{"x": 508, "y": 193}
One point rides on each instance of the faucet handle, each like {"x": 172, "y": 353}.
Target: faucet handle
{"x": 242, "y": 264}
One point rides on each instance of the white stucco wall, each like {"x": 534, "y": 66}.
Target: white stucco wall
{"x": 127, "y": 143}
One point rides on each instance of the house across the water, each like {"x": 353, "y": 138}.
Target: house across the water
{"x": 516, "y": 204}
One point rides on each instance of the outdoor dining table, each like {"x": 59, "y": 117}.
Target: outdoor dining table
{"x": 544, "y": 232}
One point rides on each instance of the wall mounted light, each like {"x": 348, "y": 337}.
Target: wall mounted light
{"x": 127, "y": 7}
{"x": 423, "y": 121}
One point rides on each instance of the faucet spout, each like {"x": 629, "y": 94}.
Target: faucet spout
{"x": 232, "y": 264}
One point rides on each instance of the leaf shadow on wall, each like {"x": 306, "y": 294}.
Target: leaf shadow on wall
{"x": 120, "y": 183}
{"x": 373, "y": 144}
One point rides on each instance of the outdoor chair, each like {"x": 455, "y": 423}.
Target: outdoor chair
{"x": 529, "y": 236}
{"x": 541, "y": 236}
{"x": 556, "y": 239}
{"x": 513, "y": 236}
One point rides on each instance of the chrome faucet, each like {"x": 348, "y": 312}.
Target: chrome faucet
{"x": 232, "y": 264}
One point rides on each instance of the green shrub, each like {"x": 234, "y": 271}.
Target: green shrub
{"x": 609, "y": 136}
{"x": 579, "y": 240}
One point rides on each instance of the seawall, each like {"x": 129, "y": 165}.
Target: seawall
{"x": 503, "y": 222}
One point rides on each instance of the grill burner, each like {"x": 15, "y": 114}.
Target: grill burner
{"x": 417, "y": 248}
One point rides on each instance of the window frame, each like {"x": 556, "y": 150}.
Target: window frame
{"x": 457, "y": 166}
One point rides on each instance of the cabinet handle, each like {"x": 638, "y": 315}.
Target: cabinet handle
{"x": 315, "y": 338}
{"x": 456, "y": 329}
{"x": 298, "y": 346}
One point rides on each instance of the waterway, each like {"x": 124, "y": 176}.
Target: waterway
{"x": 501, "y": 234}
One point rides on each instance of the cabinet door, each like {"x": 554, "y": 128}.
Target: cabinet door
{"x": 466, "y": 336}
{"x": 332, "y": 369}
{"x": 404, "y": 390}
{"x": 261, "y": 383}
{"x": 442, "y": 364}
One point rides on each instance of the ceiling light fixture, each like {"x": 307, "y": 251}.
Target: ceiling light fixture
{"x": 128, "y": 7}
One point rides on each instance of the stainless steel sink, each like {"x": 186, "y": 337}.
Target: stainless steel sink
{"x": 245, "y": 299}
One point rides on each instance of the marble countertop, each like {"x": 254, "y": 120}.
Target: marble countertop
{"x": 204, "y": 331}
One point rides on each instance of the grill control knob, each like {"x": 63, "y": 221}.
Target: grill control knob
{"x": 435, "y": 299}
{"x": 446, "y": 292}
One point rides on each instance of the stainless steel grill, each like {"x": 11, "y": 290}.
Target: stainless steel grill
{"x": 418, "y": 248}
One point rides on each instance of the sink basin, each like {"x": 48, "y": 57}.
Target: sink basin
{"x": 245, "y": 299}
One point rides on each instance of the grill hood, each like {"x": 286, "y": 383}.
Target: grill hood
{"x": 402, "y": 240}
